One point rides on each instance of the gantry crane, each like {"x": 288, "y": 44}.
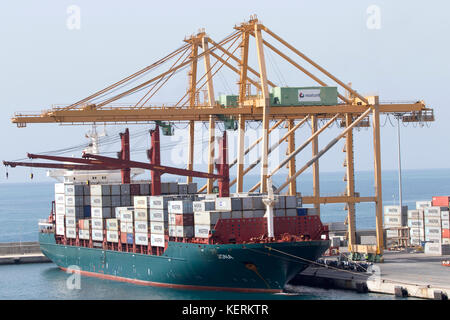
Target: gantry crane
{"x": 352, "y": 110}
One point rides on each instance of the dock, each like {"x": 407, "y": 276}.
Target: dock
{"x": 21, "y": 252}
{"x": 401, "y": 274}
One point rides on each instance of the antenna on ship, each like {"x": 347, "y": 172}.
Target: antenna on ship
{"x": 269, "y": 201}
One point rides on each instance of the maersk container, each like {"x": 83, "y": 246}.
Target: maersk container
{"x": 304, "y": 96}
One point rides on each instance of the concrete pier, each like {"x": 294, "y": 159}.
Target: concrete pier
{"x": 401, "y": 274}
{"x": 21, "y": 252}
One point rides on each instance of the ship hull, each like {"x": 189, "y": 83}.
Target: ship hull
{"x": 226, "y": 267}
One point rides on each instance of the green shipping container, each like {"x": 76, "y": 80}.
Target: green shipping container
{"x": 304, "y": 96}
{"x": 228, "y": 100}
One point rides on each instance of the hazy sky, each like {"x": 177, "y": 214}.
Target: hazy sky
{"x": 43, "y": 62}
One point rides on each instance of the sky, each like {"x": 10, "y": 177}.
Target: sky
{"x": 395, "y": 49}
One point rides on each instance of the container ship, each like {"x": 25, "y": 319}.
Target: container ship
{"x": 166, "y": 234}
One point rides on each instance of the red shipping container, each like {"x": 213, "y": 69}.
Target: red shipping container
{"x": 440, "y": 201}
{"x": 446, "y": 233}
{"x": 135, "y": 189}
{"x": 184, "y": 219}
{"x": 123, "y": 237}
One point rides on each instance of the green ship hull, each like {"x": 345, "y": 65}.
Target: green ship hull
{"x": 255, "y": 267}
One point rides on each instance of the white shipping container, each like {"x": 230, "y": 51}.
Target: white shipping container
{"x": 100, "y": 190}
{"x": 141, "y": 239}
{"x": 202, "y": 231}
{"x": 97, "y": 234}
{"x": 60, "y": 208}
{"x": 393, "y": 221}
{"x": 71, "y": 222}
{"x": 84, "y": 234}
{"x": 59, "y": 188}
{"x": 423, "y": 204}
{"x": 172, "y": 218}
{"x": 432, "y": 221}
{"x": 432, "y": 212}
{"x": 74, "y": 200}
{"x": 141, "y": 226}
{"x": 97, "y": 224}
{"x": 180, "y": 206}
{"x": 157, "y": 240}
{"x": 60, "y": 219}
{"x": 395, "y": 210}
{"x": 184, "y": 231}
{"x": 60, "y": 198}
{"x": 416, "y": 241}
{"x": 445, "y": 215}
{"x": 71, "y": 233}
{"x": 391, "y": 233}
{"x": 75, "y": 211}
{"x": 445, "y": 240}
{"x": 445, "y": 224}
{"x": 433, "y": 231}
{"x": 112, "y": 236}
{"x": 159, "y": 202}
{"x": 437, "y": 249}
{"x": 160, "y": 215}
{"x": 157, "y": 227}
{"x": 229, "y": 204}
{"x": 125, "y": 214}
{"x": 141, "y": 214}
{"x": 60, "y": 230}
{"x": 141, "y": 202}
{"x": 101, "y": 212}
{"x": 417, "y": 233}
{"x": 112, "y": 224}
{"x": 415, "y": 223}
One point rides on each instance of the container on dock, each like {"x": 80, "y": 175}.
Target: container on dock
{"x": 416, "y": 223}
{"x": 180, "y": 206}
{"x": 141, "y": 239}
{"x": 141, "y": 226}
{"x": 437, "y": 249}
{"x": 433, "y": 222}
{"x": 433, "y": 211}
{"x": 423, "y": 204}
{"x": 157, "y": 240}
{"x": 440, "y": 201}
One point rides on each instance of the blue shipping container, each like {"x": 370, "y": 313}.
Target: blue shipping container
{"x": 130, "y": 238}
{"x": 87, "y": 211}
{"x": 302, "y": 211}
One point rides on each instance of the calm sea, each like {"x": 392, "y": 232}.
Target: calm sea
{"x": 23, "y": 204}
